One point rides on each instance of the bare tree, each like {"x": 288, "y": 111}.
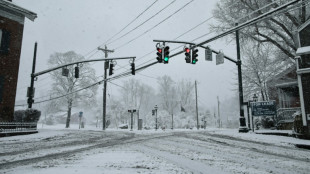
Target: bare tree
{"x": 66, "y": 85}
{"x": 168, "y": 94}
{"x": 277, "y": 30}
{"x": 185, "y": 93}
{"x": 136, "y": 95}
{"x": 259, "y": 65}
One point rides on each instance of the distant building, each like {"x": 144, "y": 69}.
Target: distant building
{"x": 12, "y": 19}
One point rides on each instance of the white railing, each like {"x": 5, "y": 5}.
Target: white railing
{"x": 286, "y": 113}
{"x": 17, "y": 126}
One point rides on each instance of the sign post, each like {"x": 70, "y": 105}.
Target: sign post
{"x": 80, "y": 117}
{"x": 131, "y": 124}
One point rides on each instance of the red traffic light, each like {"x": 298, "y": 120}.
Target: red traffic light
{"x": 187, "y": 50}
{"x": 159, "y": 50}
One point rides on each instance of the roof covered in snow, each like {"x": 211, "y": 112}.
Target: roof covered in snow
{"x": 17, "y": 9}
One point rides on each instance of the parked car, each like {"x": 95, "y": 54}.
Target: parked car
{"x": 123, "y": 126}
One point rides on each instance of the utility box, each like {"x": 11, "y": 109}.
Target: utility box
{"x": 140, "y": 124}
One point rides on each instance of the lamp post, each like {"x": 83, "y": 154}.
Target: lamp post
{"x": 156, "y": 107}
{"x": 255, "y": 98}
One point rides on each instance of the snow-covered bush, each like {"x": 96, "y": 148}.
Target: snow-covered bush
{"x": 28, "y": 115}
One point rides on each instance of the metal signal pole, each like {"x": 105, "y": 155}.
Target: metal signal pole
{"x": 106, "y": 66}
{"x": 30, "y": 93}
{"x": 242, "y": 127}
{"x": 196, "y": 105}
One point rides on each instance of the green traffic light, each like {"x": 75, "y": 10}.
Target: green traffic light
{"x": 166, "y": 58}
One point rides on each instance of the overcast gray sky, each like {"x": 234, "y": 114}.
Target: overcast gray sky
{"x": 82, "y": 26}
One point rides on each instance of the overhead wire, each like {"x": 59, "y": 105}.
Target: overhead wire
{"x": 130, "y": 22}
{"x": 150, "y": 29}
{"x": 96, "y": 50}
{"x": 142, "y": 23}
{"x": 141, "y": 68}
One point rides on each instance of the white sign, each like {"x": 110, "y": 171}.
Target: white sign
{"x": 208, "y": 54}
{"x": 220, "y": 58}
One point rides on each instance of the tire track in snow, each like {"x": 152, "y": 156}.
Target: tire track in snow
{"x": 183, "y": 162}
{"x": 263, "y": 148}
{"x": 66, "y": 153}
{"x": 239, "y": 161}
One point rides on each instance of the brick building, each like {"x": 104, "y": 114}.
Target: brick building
{"x": 12, "y": 19}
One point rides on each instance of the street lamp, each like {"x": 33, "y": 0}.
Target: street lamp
{"x": 156, "y": 107}
{"x": 255, "y": 98}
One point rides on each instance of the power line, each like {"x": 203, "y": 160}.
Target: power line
{"x": 117, "y": 85}
{"x": 120, "y": 30}
{"x": 131, "y": 22}
{"x": 141, "y": 23}
{"x": 150, "y": 29}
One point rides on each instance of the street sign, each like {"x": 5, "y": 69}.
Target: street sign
{"x": 263, "y": 108}
{"x": 80, "y": 114}
{"x": 220, "y": 58}
{"x": 208, "y": 54}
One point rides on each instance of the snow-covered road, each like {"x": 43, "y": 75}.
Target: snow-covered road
{"x": 89, "y": 151}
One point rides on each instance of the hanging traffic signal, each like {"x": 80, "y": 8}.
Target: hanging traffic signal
{"x": 194, "y": 56}
{"x": 111, "y": 68}
{"x": 133, "y": 69}
{"x": 187, "y": 55}
{"x": 76, "y": 72}
{"x": 159, "y": 55}
{"x": 166, "y": 54}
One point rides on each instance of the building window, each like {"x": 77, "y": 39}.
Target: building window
{"x": 0, "y": 36}
{"x": 4, "y": 41}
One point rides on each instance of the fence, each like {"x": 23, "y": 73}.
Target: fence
{"x": 8, "y": 127}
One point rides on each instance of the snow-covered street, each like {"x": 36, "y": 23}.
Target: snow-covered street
{"x": 178, "y": 151}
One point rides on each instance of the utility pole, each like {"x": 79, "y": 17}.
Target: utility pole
{"x": 106, "y": 66}
{"x": 156, "y": 107}
{"x": 196, "y": 105}
{"x": 218, "y": 111}
{"x": 30, "y": 92}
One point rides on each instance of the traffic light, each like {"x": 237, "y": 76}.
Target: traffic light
{"x": 111, "y": 68}
{"x": 187, "y": 55}
{"x": 65, "y": 71}
{"x": 194, "y": 56}
{"x": 133, "y": 69}
{"x": 76, "y": 72}
{"x": 166, "y": 54}
{"x": 159, "y": 55}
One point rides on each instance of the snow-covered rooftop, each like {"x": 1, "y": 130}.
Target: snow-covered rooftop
{"x": 12, "y": 6}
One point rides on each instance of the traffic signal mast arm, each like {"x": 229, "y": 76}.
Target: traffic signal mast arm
{"x": 190, "y": 43}
{"x": 84, "y": 61}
